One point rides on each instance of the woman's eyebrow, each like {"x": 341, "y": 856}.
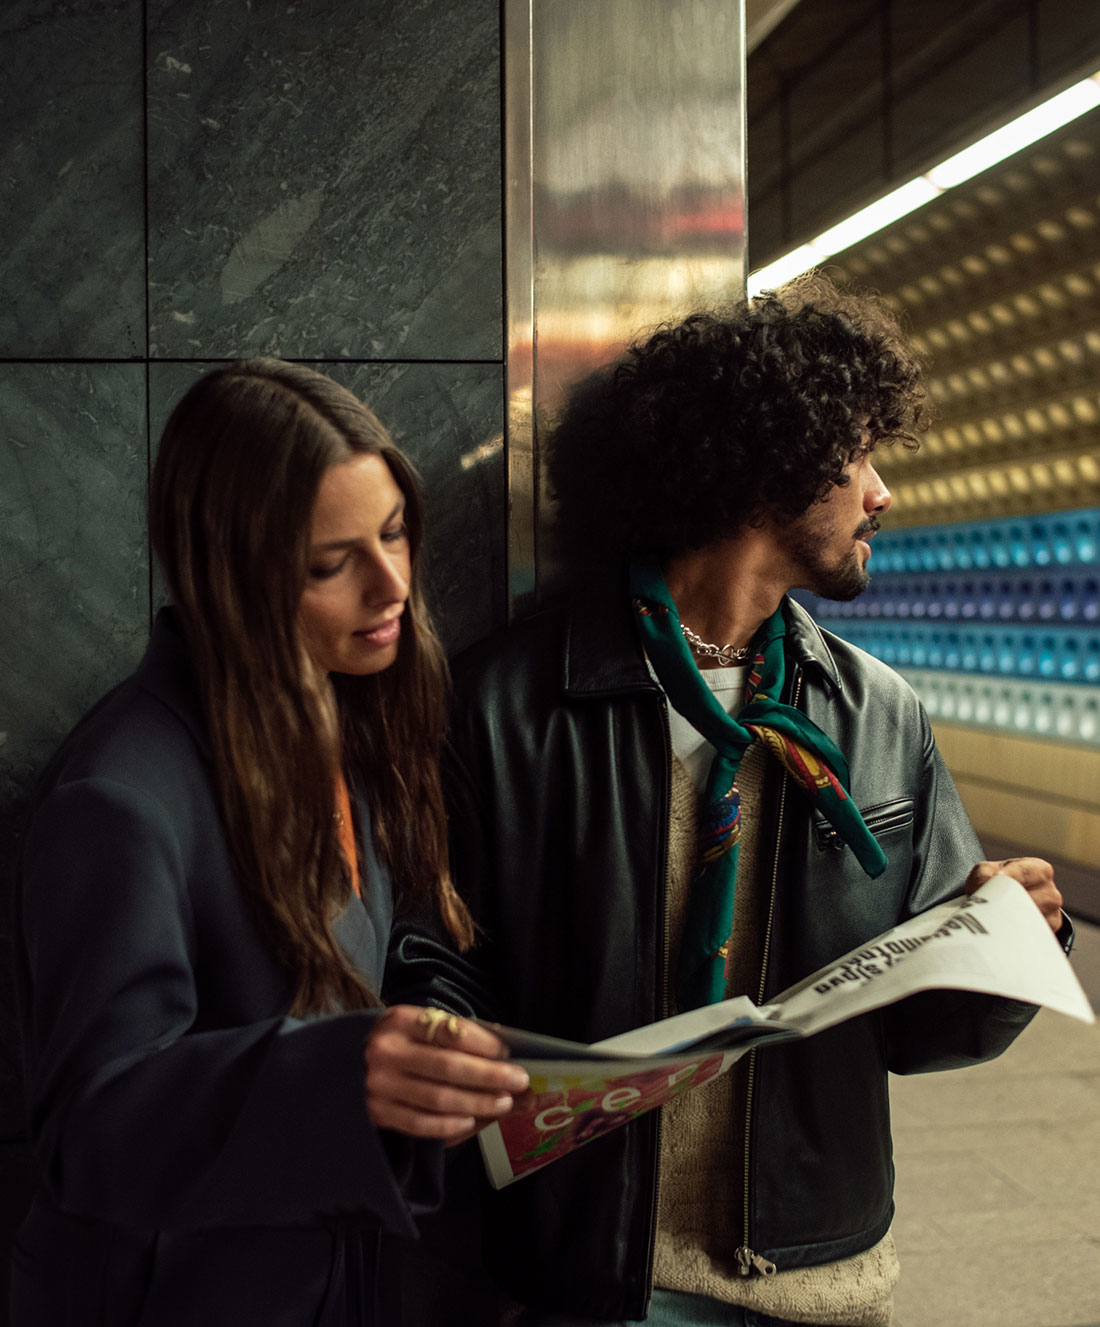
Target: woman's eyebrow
{"x": 333, "y": 544}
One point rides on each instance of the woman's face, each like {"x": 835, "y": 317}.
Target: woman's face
{"x": 359, "y": 569}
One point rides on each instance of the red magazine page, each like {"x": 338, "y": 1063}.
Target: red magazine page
{"x": 567, "y": 1111}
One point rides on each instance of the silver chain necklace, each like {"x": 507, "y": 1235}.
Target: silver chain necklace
{"x": 724, "y": 654}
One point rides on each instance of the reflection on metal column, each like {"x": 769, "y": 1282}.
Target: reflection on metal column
{"x": 624, "y": 163}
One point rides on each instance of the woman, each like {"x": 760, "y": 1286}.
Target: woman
{"x": 225, "y": 1115}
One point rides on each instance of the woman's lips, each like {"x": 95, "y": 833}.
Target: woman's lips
{"x": 385, "y": 634}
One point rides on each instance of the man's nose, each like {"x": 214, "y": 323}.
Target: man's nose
{"x": 876, "y": 496}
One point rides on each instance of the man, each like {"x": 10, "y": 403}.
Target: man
{"x": 632, "y": 837}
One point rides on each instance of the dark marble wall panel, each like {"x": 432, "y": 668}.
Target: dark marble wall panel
{"x": 72, "y": 262}
{"x": 325, "y": 179}
{"x": 76, "y": 580}
{"x": 448, "y": 418}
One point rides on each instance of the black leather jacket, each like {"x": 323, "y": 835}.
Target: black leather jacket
{"x": 559, "y": 782}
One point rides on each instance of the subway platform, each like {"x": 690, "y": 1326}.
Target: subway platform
{"x": 998, "y": 1179}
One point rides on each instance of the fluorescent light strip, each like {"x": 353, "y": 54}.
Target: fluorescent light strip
{"x": 1002, "y": 143}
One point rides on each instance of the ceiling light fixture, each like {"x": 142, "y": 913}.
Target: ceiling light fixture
{"x": 1026, "y": 129}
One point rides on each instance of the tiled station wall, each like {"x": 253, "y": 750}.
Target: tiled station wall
{"x": 849, "y": 98}
{"x": 187, "y": 181}
{"x": 985, "y": 587}
{"x": 996, "y": 624}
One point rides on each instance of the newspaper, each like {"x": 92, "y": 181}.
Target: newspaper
{"x": 994, "y": 941}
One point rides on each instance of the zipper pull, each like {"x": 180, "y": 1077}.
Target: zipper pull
{"x": 749, "y": 1262}
{"x": 828, "y": 838}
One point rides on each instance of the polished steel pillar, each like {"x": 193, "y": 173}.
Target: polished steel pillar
{"x": 624, "y": 205}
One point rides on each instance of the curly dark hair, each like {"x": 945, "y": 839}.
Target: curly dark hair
{"x": 729, "y": 416}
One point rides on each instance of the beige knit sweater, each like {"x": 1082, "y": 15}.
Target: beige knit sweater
{"x": 702, "y": 1163}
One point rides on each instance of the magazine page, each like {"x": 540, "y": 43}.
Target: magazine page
{"x": 718, "y": 1026}
{"x": 579, "y": 1092}
{"x": 722, "y": 1025}
{"x": 565, "y": 1110}
{"x": 995, "y": 941}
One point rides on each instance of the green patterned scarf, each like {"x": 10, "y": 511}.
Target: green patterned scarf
{"x": 808, "y": 755}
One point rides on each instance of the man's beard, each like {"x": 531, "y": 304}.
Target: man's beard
{"x": 843, "y": 579}
{"x": 846, "y": 579}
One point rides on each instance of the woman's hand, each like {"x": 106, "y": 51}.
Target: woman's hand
{"x": 432, "y": 1075}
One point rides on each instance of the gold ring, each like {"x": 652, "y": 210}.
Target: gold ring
{"x": 431, "y": 1020}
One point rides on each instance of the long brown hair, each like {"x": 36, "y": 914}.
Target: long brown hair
{"x": 230, "y": 507}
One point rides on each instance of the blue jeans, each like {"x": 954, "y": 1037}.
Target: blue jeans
{"x": 667, "y": 1308}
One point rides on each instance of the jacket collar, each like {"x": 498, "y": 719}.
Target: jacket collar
{"x": 604, "y": 654}
{"x": 603, "y": 650}
{"x": 166, "y": 672}
{"x": 806, "y": 645}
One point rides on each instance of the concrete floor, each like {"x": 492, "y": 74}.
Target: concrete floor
{"x": 998, "y": 1180}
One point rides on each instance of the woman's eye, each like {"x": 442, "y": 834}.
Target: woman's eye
{"x": 398, "y": 533}
{"x": 325, "y": 571}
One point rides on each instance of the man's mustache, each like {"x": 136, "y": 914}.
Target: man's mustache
{"x": 869, "y": 526}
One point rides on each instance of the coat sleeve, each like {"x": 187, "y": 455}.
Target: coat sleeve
{"x": 949, "y": 1028}
{"x": 141, "y": 1116}
{"x": 424, "y": 966}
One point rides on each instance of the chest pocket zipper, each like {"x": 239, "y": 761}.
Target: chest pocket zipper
{"x": 879, "y": 819}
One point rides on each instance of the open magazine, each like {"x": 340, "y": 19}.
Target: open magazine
{"x": 994, "y": 941}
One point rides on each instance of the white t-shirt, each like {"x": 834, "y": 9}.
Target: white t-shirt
{"x": 692, "y": 749}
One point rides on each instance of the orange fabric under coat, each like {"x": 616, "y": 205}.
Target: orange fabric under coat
{"x": 345, "y": 829}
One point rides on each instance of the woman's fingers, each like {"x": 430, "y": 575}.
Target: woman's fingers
{"x": 457, "y": 1068}
{"x": 455, "y": 1051}
{"x": 415, "y": 1124}
{"x": 436, "y": 1027}
{"x": 437, "y": 1076}
{"x": 435, "y": 1097}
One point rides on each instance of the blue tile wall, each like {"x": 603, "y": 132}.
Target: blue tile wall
{"x": 1016, "y": 599}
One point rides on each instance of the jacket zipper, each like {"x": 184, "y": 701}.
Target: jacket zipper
{"x": 748, "y": 1260}
{"x": 827, "y": 837}
{"x": 662, "y": 1004}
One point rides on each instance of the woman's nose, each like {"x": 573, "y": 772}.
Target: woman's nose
{"x": 386, "y": 582}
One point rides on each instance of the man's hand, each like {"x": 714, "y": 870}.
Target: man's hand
{"x": 443, "y": 1080}
{"x": 1036, "y": 876}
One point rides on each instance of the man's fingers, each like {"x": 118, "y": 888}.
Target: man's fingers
{"x": 1036, "y": 876}
{"x": 1031, "y": 872}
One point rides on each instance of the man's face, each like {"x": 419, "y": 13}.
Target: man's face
{"x": 828, "y": 544}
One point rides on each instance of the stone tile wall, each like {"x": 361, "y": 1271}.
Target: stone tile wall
{"x": 187, "y": 181}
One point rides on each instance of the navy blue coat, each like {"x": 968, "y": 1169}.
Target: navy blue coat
{"x": 205, "y": 1158}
